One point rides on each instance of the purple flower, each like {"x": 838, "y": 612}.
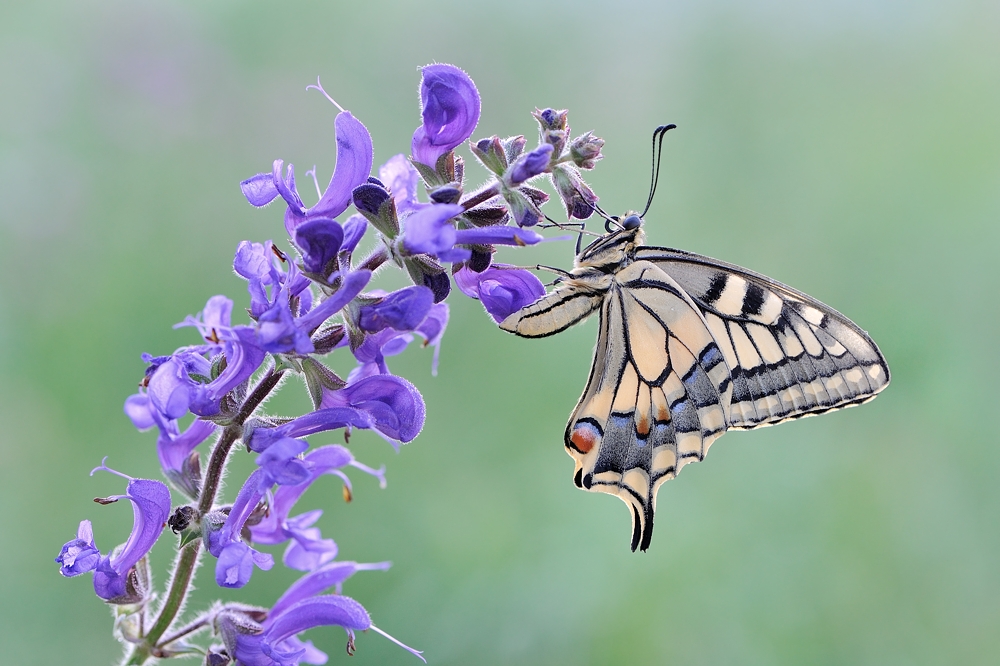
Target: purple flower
{"x": 402, "y": 180}
{"x": 173, "y": 447}
{"x": 354, "y": 229}
{"x": 402, "y": 310}
{"x": 280, "y": 332}
{"x": 320, "y": 240}
{"x": 323, "y": 460}
{"x": 237, "y": 559}
{"x": 393, "y": 404}
{"x": 530, "y": 165}
{"x": 114, "y": 580}
{"x": 429, "y": 231}
{"x": 354, "y": 164}
{"x": 449, "y": 105}
{"x": 79, "y": 555}
{"x": 372, "y": 352}
{"x": 281, "y": 463}
{"x": 502, "y": 289}
{"x": 276, "y": 643}
{"x": 307, "y": 550}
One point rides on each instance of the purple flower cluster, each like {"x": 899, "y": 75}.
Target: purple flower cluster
{"x": 305, "y": 304}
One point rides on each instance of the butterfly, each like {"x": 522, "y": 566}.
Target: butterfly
{"x": 689, "y": 347}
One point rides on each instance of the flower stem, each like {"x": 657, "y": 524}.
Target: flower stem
{"x": 189, "y": 556}
{"x": 479, "y": 197}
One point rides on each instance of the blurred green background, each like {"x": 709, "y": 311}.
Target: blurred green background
{"x": 849, "y": 149}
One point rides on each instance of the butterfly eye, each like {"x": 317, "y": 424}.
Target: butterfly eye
{"x": 633, "y": 221}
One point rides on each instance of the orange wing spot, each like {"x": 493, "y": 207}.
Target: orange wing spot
{"x": 584, "y": 437}
{"x": 642, "y": 425}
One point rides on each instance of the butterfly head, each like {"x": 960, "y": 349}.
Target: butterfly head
{"x": 617, "y": 247}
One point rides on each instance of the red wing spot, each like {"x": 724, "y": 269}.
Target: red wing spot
{"x": 662, "y": 414}
{"x": 584, "y": 437}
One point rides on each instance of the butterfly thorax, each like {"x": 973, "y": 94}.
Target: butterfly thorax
{"x": 610, "y": 253}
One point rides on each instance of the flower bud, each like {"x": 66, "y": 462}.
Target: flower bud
{"x": 448, "y": 194}
{"x": 528, "y": 166}
{"x": 586, "y": 150}
{"x": 576, "y": 195}
{"x": 552, "y": 129}
{"x": 491, "y": 153}
{"x": 373, "y": 201}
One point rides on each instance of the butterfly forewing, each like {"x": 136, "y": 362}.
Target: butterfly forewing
{"x": 789, "y": 355}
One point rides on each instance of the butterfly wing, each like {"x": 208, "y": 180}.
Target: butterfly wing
{"x": 657, "y": 396}
{"x": 789, "y": 355}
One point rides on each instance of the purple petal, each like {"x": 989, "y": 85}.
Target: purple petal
{"x": 236, "y": 562}
{"x": 497, "y": 235}
{"x": 308, "y": 549}
{"x": 260, "y": 189}
{"x": 169, "y": 389}
{"x": 450, "y": 108}
{"x": 354, "y": 164}
{"x": 530, "y": 164}
{"x": 427, "y": 231}
{"x": 174, "y": 450}
{"x": 286, "y": 186}
{"x": 329, "y": 575}
{"x": 393, "y": 403}
{"x": 243, "y": 357}
{"x": 277, "y": 331}
{"x": 324, "y": 460}
{"x": 316, "y": 612}
{"x": 402, "y": 310}
{"x": 137, "y": 408}
{"x": 320, "y": 240}
{"x": 354, "y": 229}
{"x": 352, "y": 285}
{"x": 151, "y": 508}
{"x": 502, "y": 289}
{"x": 281, "y": 464}
{"x": 316, "y": 421}
{"x": 80, "y": 555}
{"x": 402, "y": 180}
{"x": 246, "y": 501}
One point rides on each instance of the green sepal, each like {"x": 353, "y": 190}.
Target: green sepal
{"x": 386, "y": 220}
{"x": 218, "y": 365}
{"x": 319, "y": 377}
{"x": 494, "y": 157}
{"x": 283, "y": 362}
{"x": 428, "y": 174}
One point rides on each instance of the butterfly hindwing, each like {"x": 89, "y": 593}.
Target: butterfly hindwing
{"x": 656, "y": 396}
{"x": 790, "y": 355}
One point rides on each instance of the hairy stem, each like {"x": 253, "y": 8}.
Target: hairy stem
{"x": 479, "y": 197}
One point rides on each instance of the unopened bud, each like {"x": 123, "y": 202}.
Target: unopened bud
{"x": 491, "y": 153}
{"x": 586, "y": 150}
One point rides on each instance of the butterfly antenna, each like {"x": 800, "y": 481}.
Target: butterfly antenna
{"x": 654, "y": 177}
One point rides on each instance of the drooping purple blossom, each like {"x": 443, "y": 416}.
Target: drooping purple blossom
{"x": 429, "y": 231}
{"x": 402, "y": 310}
{"x": 372, "y": 352}
{"x": 502, "y": 289}
{"x": 236, "y": 559}
{"x": 113, "y": 577}
{"x": 354, "y": 164}
{"x": 449, "y": 104}
{"x": 394, "y": 405}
